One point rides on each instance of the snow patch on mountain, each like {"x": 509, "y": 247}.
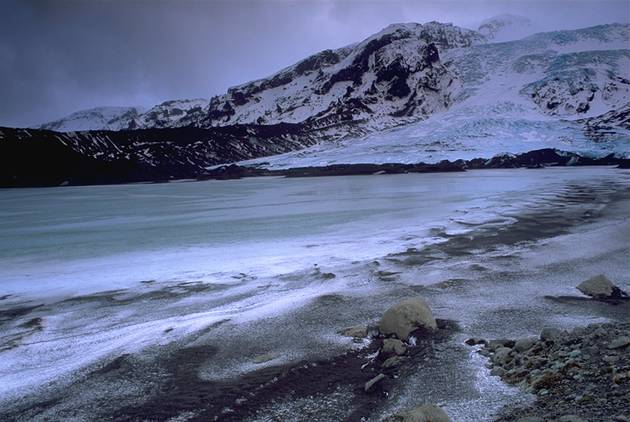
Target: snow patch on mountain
{"x": 169, "y": 114}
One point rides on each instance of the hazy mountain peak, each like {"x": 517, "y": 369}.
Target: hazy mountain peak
{"x": 107, "y": 118}
{"x": 507, "y": 27}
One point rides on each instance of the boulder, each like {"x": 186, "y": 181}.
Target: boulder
{"x": 502, "y": 355}
{"x": 392, "y": 346}
{"x": 407, "y": 316}
{"x": 424, "y": 413}
{"x": 600, "y": 287}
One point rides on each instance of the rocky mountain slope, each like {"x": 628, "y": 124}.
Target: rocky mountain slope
{"x": 394, "y": 76}
{"x": 410, "y": 93}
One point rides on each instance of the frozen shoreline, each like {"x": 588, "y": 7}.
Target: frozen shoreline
{"x": 480, "y": 259}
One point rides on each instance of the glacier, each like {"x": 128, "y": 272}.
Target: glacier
{"x": 587, "y": 71}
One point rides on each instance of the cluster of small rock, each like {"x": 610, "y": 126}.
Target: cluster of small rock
{"x": 584, "y": 372}
{"x": 579, "y": 375}
{"x": 397, "y": 332}
{"x": 394, "y": 333}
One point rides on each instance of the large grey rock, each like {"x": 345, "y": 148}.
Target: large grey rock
{"x": 424, "y": 413}
{"x": 600, "y": 287}
{"x": 407, "y": 316}
{"x": 502, "y": 355}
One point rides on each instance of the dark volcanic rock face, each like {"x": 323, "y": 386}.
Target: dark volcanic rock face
{"x": 45, "y": 158}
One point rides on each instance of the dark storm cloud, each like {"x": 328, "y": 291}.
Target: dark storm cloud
{"x": 60, "y": 56}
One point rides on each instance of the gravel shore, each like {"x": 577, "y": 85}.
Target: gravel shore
{"x": 579, "y": 375}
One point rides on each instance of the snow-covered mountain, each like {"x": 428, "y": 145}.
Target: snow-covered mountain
{"x": 100, "y": 118}
{"x": 169, "y": 114}
{"x": 406, "y": 73}
{"x": 416, "y": 93}
{"x": 392, "y": 77}
{"x": 175, "y": 113}
{"x": 538, "y": 92}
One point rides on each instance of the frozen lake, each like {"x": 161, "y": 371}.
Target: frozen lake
{"x": 86, "y": 239}
{"x": 106, "y": 271}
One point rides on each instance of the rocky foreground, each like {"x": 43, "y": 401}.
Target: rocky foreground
{"x": 582, "y": 375}
{"x": 577, "y": 376}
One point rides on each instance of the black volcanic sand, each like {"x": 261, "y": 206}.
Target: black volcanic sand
{"x": 555, "y": 218}
{"x": 168, "y": 379}
{"x": 174, "y": 387}
{"x": 243, "y": 398}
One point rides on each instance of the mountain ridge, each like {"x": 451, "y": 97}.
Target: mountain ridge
{"x": 407, "y": 94}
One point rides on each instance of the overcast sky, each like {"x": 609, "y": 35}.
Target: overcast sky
{"x": 57, "y": 57}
